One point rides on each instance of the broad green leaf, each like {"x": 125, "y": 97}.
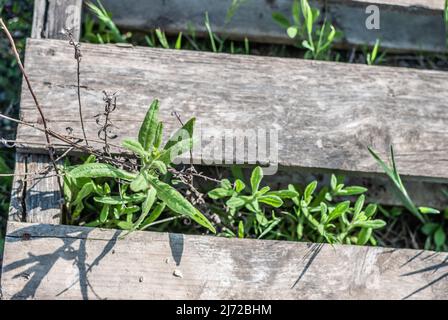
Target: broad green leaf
{"x": 255, "y": 179}
{"x": 263, "y": 191}
{"x": 113, "y": 200}
{"x": 220, "y": 193}
{"x": 281, "y": 19}
{"x": 334, "y": 182}
{"x": 429, "y": 228}
{"x": 177, "y": 203}
{"x": 148, "y": 130}
{"x": 185, "y": 132}
{"x": 364, "y": 236}
{"x": 339, "y": 210}
{"x": 168, "y": 155}
{"x": 235, "y": 202}
{"x": 239, "y": 185}
{"x": 307, "y": 45}
{"x": 160, "y": 166}
{"x": 149, "y": 201}
{"x": 426, "y": 210}
{"x": 139, "y": 184}
{"x": 146, "y": 206}
{"x": 370, "y": 210}
{"x": 125, "y": 225}
{"x": 225, "y": 183}
{"x": 155, "y": 214}
{"x": 273, "y": 201}
{"x": 284, "y": 194}
{"x": 261, "y": 219}
{"x": 135, "y": 147}
{"x": 100, "y": 170}
{"x": 292, "y": 32}
{"x": 309, "y": 190}
{"x": 85, "y": 191}
{"x": 104, "y": 213}
{"x": 352, "y": 191}
{"x": 439, "y": 237}
{"x": 296, "y": 200}
{"x": 159, "y": 135}
{"x": 359, "y": 204}
{"x": 374, "y": 224}
{"x": 296, "y": 12}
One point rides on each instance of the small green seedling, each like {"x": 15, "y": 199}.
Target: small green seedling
{"x": 317, "y": 40}
{"x": 372, "y": 58}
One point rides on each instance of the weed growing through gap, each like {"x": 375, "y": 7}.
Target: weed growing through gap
{"x": 305, "y": 29}
{"x": 297, "y": 214}
{"x": 107, "y": 32}
{"x": 373, "y": 57}
{"x": 435, "y": 232}
{"x": 142, "y": 192}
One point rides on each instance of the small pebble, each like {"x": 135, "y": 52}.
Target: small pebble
{"x": 140, "y": 279}
{"x": 177, "y": 274}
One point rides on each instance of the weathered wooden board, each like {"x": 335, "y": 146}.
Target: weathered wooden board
{"x": 52, "y": 17}
{"x": 404, "y": 24}
{"x": 61, "y": 262}
{"x": 325, "y": 114}
{"x": 35, "y": 194}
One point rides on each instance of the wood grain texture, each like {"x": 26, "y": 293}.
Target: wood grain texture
{"x": 52, "y": 17}
{"x": 16, "y": 207}
{"x": 43, "y": 197}
{"x": 61, "y": 262}
{"x": 405, "y": 24}
{"x": 35, "y": 194}
{"x": 326, "y": 114}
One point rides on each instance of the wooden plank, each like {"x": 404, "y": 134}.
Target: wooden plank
{"x": 43, "y": 197}
{"x": 16, "y": 207}
{"x": 405, "y": 24}
{"x": 35, "y": 194}
{"x": 52, "y": 17}
{"x": 63, "y": 262}
{"x": 325, "y": 114}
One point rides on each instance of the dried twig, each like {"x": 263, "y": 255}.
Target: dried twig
{"x": 36, "y": 102}
{"x": 77, "y": 47}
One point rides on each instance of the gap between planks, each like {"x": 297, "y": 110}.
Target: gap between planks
{"x": 404, "y": 24}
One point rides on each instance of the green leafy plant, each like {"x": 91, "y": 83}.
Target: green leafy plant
{"x": 106, "y": 31}
{"x": 252, "y": 201}
{"x": 296, "y": 214}
{"x": 141, "y": 196}
{"x": 434, "y": 231}
{"x": 372, "y": 57}
{"x": 305, "y": 29}
{"x": 399, "y": 188}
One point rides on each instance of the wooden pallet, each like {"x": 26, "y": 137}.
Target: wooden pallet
{"x": 405, "y": 24}
{"x": 46, "y": 260}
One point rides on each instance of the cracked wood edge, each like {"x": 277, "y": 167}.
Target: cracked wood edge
{"x": 65, "y": 262}
{"x": 404, "y": 24}
{"x": 35, "y": 195}
{"x": 51, "y": 17}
